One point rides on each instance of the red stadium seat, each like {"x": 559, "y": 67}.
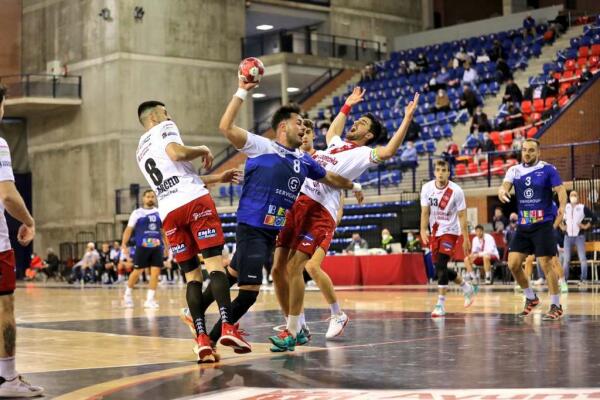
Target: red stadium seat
{"x": 593, "y": 61}
{"x": 526, "y": 107}
{"x": 510, "y": 162}
{"x": 548, "y": 102}
{"x": 535, "y": 117}
{"x": 502, "y": 147}
{"x": 596, "y": 50}
{"x": 472, "y": 168}
{"x": 498, "y": 167}
{"x": 538, "y": 105}
{"x": 461, "y": 169}
{"x": 531, "y": 132}
{"x": 507, "y": 137}
{"x": 581, "y": 62}
{"x": 563, "y": 100}
{"x": 568, "y": 74}
{"x": 564, "y": 86}
{"x": 557, "y": 75}
{"x": 578, "y": 72}
{"x": 495, "y": 136}
{"x": 569, "y": 65}
{"x": 583, "y": 51}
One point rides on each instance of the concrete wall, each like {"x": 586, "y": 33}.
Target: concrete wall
{"x": 10, "y": 32}
{"x": 79, "y": 158}
{"x": 473, "y": 28}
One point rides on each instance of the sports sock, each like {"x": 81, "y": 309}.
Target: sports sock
{"x": 488, "y": 275}
{"x": 220, "y": 291}
{"x": 555, "y": 299}
{"x": 466, "y": 287}
{"x": 529, "y": 293}
{"x": 239, "y": 306}
{"x": 208, "y": 296}
{"x": 441, "y": 300}
{"x": 7, "y": 368}
{"x": 472, "y": 275}
{"x": 335, "y": 308}
{"x": 301, "y": 322}
{"x": 150, "y": 294}
{"x": 128, "y": 292}
{"x": 194, "y": 299}
{"x": 292, "y": 324}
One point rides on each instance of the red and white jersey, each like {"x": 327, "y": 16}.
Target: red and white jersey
{"x": 175, "y": 182}
{"x": 444, "y": 205}
{"x": 6, "y": 174}
{"x": 343, "y": 158}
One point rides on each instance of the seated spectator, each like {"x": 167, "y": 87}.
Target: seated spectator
{"x": 551, "y": 86}
{"x": 468, "y": 99}
{"x": 413, "y": 243}
{"x": 51, "y": 264}
{"x": 108, "y": 268}
{"x": 472, "y": 141}
{"x": 433, "y": 85}
{"x": 529, "y": 25}
{"x": 497, "y": 51}
{"x": 512, "y": 92}
{"x": 480, "y": 121}
{"x": 511, "y": 229}
{"x": 357, "y": 245}
{"x": 115, "y": 252}
{"x": 482, "y": 57}
{"x": 550, "y": 34}
{"x": 386, "y": 240}
{"x": 443, "y": 78}
{"x": 552, "y": 111}
{"x": 414, "y": 131}
{"x": 402, "y": 68}
{"x": 460, "y": 57}
{"x": 470, "y": 76}
{"x": 442, "y": 102}
{"x": 422, "y": 63}
{"x": 517, "y": 142}
{"x": 585, "y": 77}
{"x": 84, "y": 270}
{"x": 483, "y": 252}
{"x": 527, "y": 35}
{"x": 35, "y": 267}
{"x": 503, "y": 71}
{"x": 409, "y": 157}
{"x": 499, "y": 220}
{"x": 487, "y": 144}
{"x": 514, "y": 119}
{"x": 367, "y": 73}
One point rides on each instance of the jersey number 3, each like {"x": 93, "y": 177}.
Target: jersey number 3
{"x": 433, "y": 202}
{"x": 155, "y": 174}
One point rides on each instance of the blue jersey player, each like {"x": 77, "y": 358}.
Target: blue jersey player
{"x": 274, "y": 173}
{"x": 534, "y": 181}
{"x": 146, "y": 227}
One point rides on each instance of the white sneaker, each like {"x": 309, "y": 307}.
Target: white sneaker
{"x": 540, "y": 281}
{"x": 128, "y": 302}
{"x": 19, "y": 387}
{"x": 438, "y": 311}
{"x": 151, "y": 303}
{"x": 337, "y": 323}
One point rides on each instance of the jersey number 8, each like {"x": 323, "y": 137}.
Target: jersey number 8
{"x": 155, "y": 174}
{"x": 297, "y": 166}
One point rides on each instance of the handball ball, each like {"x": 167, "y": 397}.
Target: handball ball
{"x": 251, "y": 70}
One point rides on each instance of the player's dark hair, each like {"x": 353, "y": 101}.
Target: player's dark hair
{"x": 2, "y": 93}
{"x": 441, "y": 163}
{"x": 147, "y": 191}
{"x": 377, "y": 129}
{"x": 308, "y": 123}
{"x": 479, "y": 227}
{"x": 533, "y": 140}
{"x": 147, "y": 105}
{"x": 284, "y": 112}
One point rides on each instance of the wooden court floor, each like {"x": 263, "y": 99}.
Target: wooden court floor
{"x": 79, "y": 343}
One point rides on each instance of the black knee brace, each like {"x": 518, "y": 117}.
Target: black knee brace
{"x": 242, "y": 303}
{"x": 189, "y": 265}
{"x": 441, "y": 269}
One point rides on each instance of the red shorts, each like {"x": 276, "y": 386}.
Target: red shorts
{"x": 308, "y": 225}
{"x": 479, "y": 260}
{"x": 443, "y": 244}
{"x": 8, "y": 277}
{"x": 193, "y": 227}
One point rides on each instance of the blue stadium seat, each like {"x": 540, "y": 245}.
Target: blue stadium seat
{"x": 420, "y": 147}
{"x": 430, "y": 146}
{"x": 436, "y": 132}
{"x": 447, "y": 130}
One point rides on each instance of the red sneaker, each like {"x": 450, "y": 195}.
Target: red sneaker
{"x": 232, "y": 336}
{"x": 203, "y": 349}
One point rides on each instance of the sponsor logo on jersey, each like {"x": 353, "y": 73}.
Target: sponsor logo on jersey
{"x": 324, "y": 159}
{"x": 528, "y": 193}
{"x": 203, "y": 214}
{"x": 151, "y": 242}
{"x": 207, "y": 233}
{"x": 166, "y": 134}
{"x": 305, "y": 236}
{"x": 531, "y": 216}
{"x": 447, "y": 245}
{"x": 294, "y": 184}
{"x": 170, "y": 232}
{"x": 275, "y": 216}
{"x": 167, "y": 184}
{"x": 178, "y": 248}
{"x": 152, "y": 226}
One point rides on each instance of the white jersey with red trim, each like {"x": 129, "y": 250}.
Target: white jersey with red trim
{"x": 175, "y": 182}
{"x": 343, "y": 158}
{"x": 444, "y": 205}
{"x": 6, "y": 174}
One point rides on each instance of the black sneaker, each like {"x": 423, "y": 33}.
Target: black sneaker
{"x": 555, "y": 313}
{"x": 529, "y": 306}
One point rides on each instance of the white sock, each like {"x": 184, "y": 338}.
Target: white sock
{"x": 555, "y": 299}
{"x": 7, "y": 368}
{"x": 466, "y": 287}
{"x": 529, "y": 293}
{"x": 293, "y": 324}
{"x": 301, "y": 322}
{"x": 335, "y": 308}
{"x": 561, "y": 280}
{"x": 472, "y": 275}
{"x": 488, "y": 275}
{"x": 441, "y": 300}
{"x": 127, "y": 291}
{"x": 150, "y": 294}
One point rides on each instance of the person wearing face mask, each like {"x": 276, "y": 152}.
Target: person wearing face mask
{"x": 574, "y": 225}
{"x": 386, "y": 240}
{"x": 413, "y": 244}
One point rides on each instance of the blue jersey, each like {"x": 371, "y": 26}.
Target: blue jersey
{"x": 273, "y": 177}
{"x": 533, "y": 190}
{"x": 147, "y": 227}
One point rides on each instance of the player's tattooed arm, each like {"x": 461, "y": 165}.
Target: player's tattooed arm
{"x": 562, "y": 204}
{"x": 389, "y": 150}
{"x": 337, "y": 126}
{"x": 337, "y": 181}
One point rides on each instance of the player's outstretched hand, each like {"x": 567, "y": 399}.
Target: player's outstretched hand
{"x": 233, "y": 175}
{"x": 356, "y": 96}
{"x": 247, "y": 85}
{"x": 207, "y": 158}
{"x": 25, "y": 234}
{"x": 409, "y": 111}
{"x": 503, "y": 195}
{"x": 424, "y": 237}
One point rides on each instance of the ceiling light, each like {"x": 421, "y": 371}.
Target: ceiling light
{"x": 258, "y": 95}
{"x": 264, "y": 27}
{"x": 293, "y": 89}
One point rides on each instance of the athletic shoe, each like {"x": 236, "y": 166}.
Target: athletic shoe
{"x": 302, "y": 338}
{"x": 204, "y": 349}
{"x": 469, "y": 296}
{"x": 186, "y": 318}
{"x": 128, "y": 302}
{"x": 151, "y": 304}
{"x": 540, "y": 281}
{"x": 564, "y": 287}
{"x": 19, "y": 387}
{"x": 337, "y": 323}
{"x": 488, "y": 281}
{"x": 284, "y": 341}
{"x": 232, "y": 336}
{"x": 554, "y": 313}
{"x": 306, "y": 331}
{"x": 438, "y": 311}
{"x": 529, "y": 306}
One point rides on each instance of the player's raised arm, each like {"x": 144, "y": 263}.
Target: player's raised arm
{"x": 337, "y": 126}
{"x": 236, "y": 135}
{"x": 389, "y": 150}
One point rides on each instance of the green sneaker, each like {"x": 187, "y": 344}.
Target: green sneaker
{"x": 564, "y": 287}
{"x": 470, "y": 295}
{"x": 302, "y": 338}
{"x": 284, "y": 341}
{"x": 438, "y": 311}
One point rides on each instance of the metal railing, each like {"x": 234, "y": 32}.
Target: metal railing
{"x": 307, "y": 41}
{"x": 42, "y": 85}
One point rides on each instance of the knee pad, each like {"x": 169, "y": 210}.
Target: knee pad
{"x": 441, "y": 269}
{"x": 244, "y": 300}
{"x": 212, "y": 251}
{"x": 189, "y": 265}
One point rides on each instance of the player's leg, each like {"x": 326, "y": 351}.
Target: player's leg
{"x": 555, "y": 312}
{"x": 156, "y": 263}
{"x": 280, "y": 279}
{"x": 469, "y": 267}
{"x": 133, "y": 278}
{"x": 557, "y": 267}
{"x": 529, "y": 260}
{"x": 487, "y": 269}
{"x": 520, "y": 247}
